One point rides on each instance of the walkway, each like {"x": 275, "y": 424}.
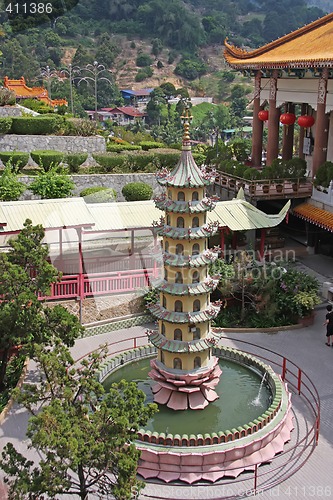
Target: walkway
{"x": 306, "y": 347}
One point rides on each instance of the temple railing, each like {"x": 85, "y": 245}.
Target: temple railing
{"x": 80, "y": 286}
{"x": 266, "y": 188}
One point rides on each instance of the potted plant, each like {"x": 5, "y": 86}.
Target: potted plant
{"x": 251, "y": 174}
{"x": 296, "y": 172}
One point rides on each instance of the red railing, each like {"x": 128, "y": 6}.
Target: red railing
{"x": 88, "y": 285}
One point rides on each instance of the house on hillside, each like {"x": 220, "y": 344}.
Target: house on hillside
{"x": 120, "y": 115}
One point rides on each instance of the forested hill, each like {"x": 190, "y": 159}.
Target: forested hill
{"x": 144, "y": 39}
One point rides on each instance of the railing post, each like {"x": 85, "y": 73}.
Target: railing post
{"x": 134, "y": 342}
{"x": 299, "y": 381}
{"x": 255, "y": 479}
{"x": 284, "y": 369}
{"x": 317, "y": 428}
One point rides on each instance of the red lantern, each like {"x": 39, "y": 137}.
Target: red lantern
{"x": 263, "y": 115}
{"x": 306, "y": 121}
{"x": 287, "y": 118}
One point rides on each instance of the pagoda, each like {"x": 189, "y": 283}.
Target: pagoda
{"x": 185, "y": 371}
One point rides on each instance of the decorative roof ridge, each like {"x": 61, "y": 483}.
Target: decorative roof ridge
{"x": 240, "y": 53}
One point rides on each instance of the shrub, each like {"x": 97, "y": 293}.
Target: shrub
{"x": 199, "y": 158}
{"x": 190, "y": 69}
{"x": 146, "y": 145}
{"x": 144, "y": 73}
{"x": 136, "y": 191}
{"x": 5, "y": 125}
{"x": 7, "y": 97}
{"x": 324, "y": 174}
{"x": 37, "y": 125}
{"x": 74, "y": 160}
{"x": 52, "y": 184}
{"x": 143, "y": 60}
{"x": 35, "y": 105}
{"x": 10, "y": 187}
{"x": 16, "y": 159}
{"x": 117, "y": 148}
{"x": 110, "y": 161}
{"x": 296, "y": 168}
{"x": 98, "y": 194}
{"x": 166, "y": 158}
{"x": 80, "y": 127}
{"x": 140, "y": 161}
{"x": 251, "y": 174}
{"x": 47, "y": 158}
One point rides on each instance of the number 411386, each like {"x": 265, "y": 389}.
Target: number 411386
{"x": 29, "y": 8}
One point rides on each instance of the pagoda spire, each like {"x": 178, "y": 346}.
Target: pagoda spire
{"x": 185, "y": 371}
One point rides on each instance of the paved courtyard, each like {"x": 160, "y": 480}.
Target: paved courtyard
{"x": 305, "y": 347}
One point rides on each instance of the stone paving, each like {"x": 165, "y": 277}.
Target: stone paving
{"x": 305, "y": 347}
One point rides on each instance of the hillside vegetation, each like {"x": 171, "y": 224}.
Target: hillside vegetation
{"x": 143, "y": 43}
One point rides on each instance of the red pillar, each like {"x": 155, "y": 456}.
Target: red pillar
{"x": 222, "y": 243}
{"x": 262, "y": 243}
{"x": 257, "y": 125}
{"x": 288, "y": 136}
{"x": 321, "y": 137}
{"x": 273, "y": 121}
{"x": 302, "y": 133}
{"x": 81, "y": 279}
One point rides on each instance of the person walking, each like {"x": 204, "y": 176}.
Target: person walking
{"x": 329, "y": 325}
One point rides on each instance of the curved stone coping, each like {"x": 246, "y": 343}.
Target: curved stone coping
{"x": 276, "y": 410}
{"x": 272, "y": 329}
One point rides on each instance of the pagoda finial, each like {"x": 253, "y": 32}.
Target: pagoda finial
{"x": 186, "y": 120}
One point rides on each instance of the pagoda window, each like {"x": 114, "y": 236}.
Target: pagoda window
{"x": 163, "y": 329}
{"x": 179, "y": 277}
{"x": 196, "y": 249}
{"x": 162, "y": 356}
{"x": 180, "y": 222}
{"x": 195, "y": 277}
{"x": 177, "y": 363}
{"x": 181, "y": 196}
{"x": 196, "y": 305}
{"x": 165, "y": 274}
{"x": 164, "y": 301}
{"x": 197, "y": 362}
{"x": 166, "y": 246}
{"x": 195, "y": 222}
{"x": 179, "y": 249}
{"x": 195, "y": 196}
{"x": 197, "y": 334}
{"x": 170, "y": 194}
{"x": 178, "y": 334}
{"x": 178, "y": 306}
{"x": 168, "y": 220}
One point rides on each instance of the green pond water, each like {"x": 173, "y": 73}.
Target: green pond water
{"x": 237, "y": 405}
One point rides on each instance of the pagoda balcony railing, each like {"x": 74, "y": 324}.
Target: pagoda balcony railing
{"x": 266, "y": 188}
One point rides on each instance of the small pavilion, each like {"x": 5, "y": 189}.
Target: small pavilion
{"x": 294, "y": 70}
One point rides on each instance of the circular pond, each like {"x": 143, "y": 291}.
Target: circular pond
{"x": 243, "y": 396}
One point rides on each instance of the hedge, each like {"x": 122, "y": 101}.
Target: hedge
{"x": 37, "y": 125}
{"x": 146, "y": 145}
{"x": 139, "y": 162}
{"x": 166, "y": 158}
{"x": 16, "y": 159}
{"x": 136, "y": 191}
{"x": 98, "y": 194}
{"x": 74, "y": 160}
{"x": 52, "y": 184}
{"x": 5, "y": 125}
{"x": 80, "y": 127}
{"x": 117, "y": 148}
{"x": 47, "y": 158}
{"x": 110, "y": 161}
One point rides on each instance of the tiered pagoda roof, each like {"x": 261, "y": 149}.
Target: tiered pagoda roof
{"x": 186, "y": 207}
{"x": 308, "y": 47}
{"x": 187, "y": 233}
{"x": 162, "y": 313}
{"x": 203, "y": 259}
{"x": 206, "y": 286}
{"x": 159, "y": 341}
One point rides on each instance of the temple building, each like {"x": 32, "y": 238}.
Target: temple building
{"x": 22, "y": 91}
{"x": 185, "y": 370}
{"x": 295, "y": 69}
{"x": 293, "y": 82}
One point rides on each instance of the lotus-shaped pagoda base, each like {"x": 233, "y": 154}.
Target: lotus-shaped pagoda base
{"x": 180, "y": 390}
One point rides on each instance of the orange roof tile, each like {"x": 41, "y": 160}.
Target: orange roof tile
{"x": 22, "y": 90}
{"x": 309, "y": 46}
{"x": 317, "y": 216}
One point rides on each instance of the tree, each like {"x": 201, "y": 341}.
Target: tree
{"x": 52, "y": 184}
{"x": 25, "y": 275}
{"x": 85, "y": 436}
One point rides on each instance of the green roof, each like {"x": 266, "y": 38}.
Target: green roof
{"x": 206, "y": 286}
{"x": 186, "y": 173}
{"x": 161, "y": 342}
{"x": 184, "y": 317}
{"x": 190, "y": 207}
